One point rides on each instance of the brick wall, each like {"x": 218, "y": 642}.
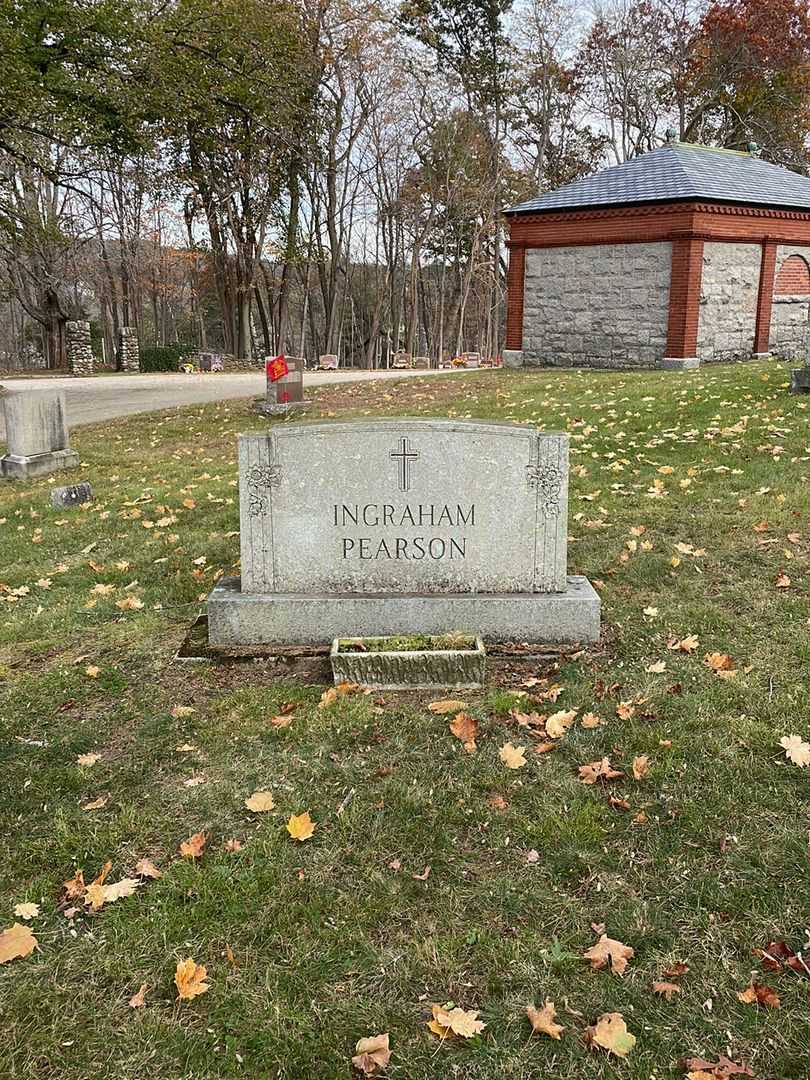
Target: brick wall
{"x": 728, "y": 300}
{"x": 791, "y": 303}
{"x": 597, "y": 306}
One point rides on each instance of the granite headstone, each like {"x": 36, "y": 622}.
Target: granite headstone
{"x": 36, "y": 434}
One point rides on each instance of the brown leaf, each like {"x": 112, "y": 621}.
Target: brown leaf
{"x": 189, "y": 978}
{"x": 330, "y": 696}
{"x": 757, "y": 993}
{"x": 281, "y": 720}
{"x": 610, "y": 1032}
{"x": 782, "y": 580}
{"x": 138, "y": 999}
{"x": 74, "y": 887}
{"x": 721, "y": 664}
{"x": 666, "y": 989}
{"x": 721, "y": 1068}
{"x": 676, "y": 970}
{"x": 609, "y": 952}
{"x": 688, "y": 644}
{"x": 193, "y": 847}
{"x": 372, "y": 1054}
{"x": 146, "y": 868}
{"x": 465, "y": 728}
{"x": 542, "y": 1020}
{"x": 15, "y": 942}
{"x": 641, "y": 767}
{"x": 232, "y": 846}
{"x": 96, "y": 804}
{"x": 87, "y": 760}
{"x": 447, "y": 705}
{"x": 590, "y": 720}
{"x": 496, "y": 801}
{"x": 598, "y": 770}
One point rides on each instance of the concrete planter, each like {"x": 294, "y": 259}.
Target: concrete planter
{"x": 409, "y": 670}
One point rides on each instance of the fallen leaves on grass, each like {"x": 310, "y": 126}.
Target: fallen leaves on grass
{"x": 608, "y": 952}
{"x": 98, "y": 895}
{"x": 75, "y": 887}
{"x": 542, "y": 1020}
{"x": 656, "y": 668}
{"x": 776, "y": 956}
{"x": 26, "y": 911}
{"x": 330, "y": 696}
{"x": 181, "y": 711}
{"x": 687, "y": 645}
{"x": 496, "y": 801}
{"x": 447, "y": 705}
{"x": 641, "y": 767}
{"x": 372, "y": 1054}
{"x": 513, "y": 757}
{"x": 301, "y": 826}
{"x": 796, "y": 750}
{"x": 260, "y": 802}
{"x": 465, "y": 728}
{"x": 423, "y": 876}
{"x": 716, "y": 1070}
{"x": 138, "y": 999}
{"x": 610, "y": 1032}
{"x": 448, "y": 1022}
{"x": 782, "y": 580}
{"x": 189, "y": 978}
{"x": 193, "y": 847}
{"x": 666, "y": 989}
{"x": 721, "y": 664}
{"x": 757, "y": 993}
{"x": 15, "y": 942}
{"x": 559, "y": 722}
{"x": 146, "y": 868}
{"x": 86, "y": 760}
{"x": 598, "y": 770}
{"x": 590, "y": 720}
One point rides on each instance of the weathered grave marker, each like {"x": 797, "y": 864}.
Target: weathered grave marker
{"x": 71, "y": 495}
{"x": 403, "y": 527}
{"x": 37, "y": 434}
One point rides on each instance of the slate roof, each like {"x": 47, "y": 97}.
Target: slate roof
{"x": 681, "y": 172}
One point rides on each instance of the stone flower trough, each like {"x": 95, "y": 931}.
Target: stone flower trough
{"x": 452, "y": 661}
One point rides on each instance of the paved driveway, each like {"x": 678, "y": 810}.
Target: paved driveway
{"x": 103, "y": 397}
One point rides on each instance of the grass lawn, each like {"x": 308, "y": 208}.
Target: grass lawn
{"x": 312, "y": 945}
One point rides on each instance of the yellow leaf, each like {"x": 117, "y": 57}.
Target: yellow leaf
{"x": 465, "y": 728}
{"x": 139, "y": 998}
{"x": 189, "y": 978}
{"x": 92, "y": 671}
{"x": 609, "y": 952}
{"x": 610, "y": 1032}
{"x": 542, "y": 1020}
{"x": 180, "y": 711}
{"x": 456, "y": 1021}
{"x": 641, "y": 767}
{"x": 301, "y": 826}
{"x": 513, "y": 757}
{"x": 193, "y": 847}
{"x": 559, "y": 722}
{"x": 372, "y": 1054}
{"x": 447, "y": 705}
{"x": 16, "y": 942}
{"x": 796, "y": 749}
{"x": 26, "y": 911}
{"x": 260, "y": 802}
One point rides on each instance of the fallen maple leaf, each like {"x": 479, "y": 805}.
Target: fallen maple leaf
{"x": 656, "y": 668}
{"x": 193, "y": 847}
{"x": 301, "y": 826}
{"x": 179, "y": 711}
{"x": 609, "y": 952}
{"x": 666, "y": 989}
{"x": 610, "y": 1032}
{"x": 330, "y": 696}
{"x": 513, "y": 757}
{"x": 87, "y": 760}
{"x": 721, "y": 664}
{"x": 260, "y": 802}
{"x": 778, "y": 954}
{"x": 625, "y": 710}
{"x": 687, "y": 644}
{"x": 598, "y": 770}
{"x": 641, "y": 767}
{"x": 447, "y": 705}
{"x": 16, "y": 942}
{"x": 92, "y": 671}
{"x": 757, "y": 993}
{"x": 146, "y": 868}
{"x": 496, "y": 801}
{"x": 138, "y": 999}
{"x": 782, "y": 580}
{"x": 542, "y": 1020}
{"x": 281, "y": 720}
{"x": 719, "y": 1069}
{"x": 456, "y": 1021}
{"x": 465, "y": 728}
{"x": 796, "y": 749}
{"x": 372, "y": 1054}
{"x": 26, "y": 911}
{"x": 559, "y": 722}
{"x": 189, "y": 978}
{"x": 75, "y": 887}
{"x": 674, "y": 971}
{"x": 590, "y": 720}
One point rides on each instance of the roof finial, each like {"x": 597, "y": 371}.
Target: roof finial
{"x": 672, "y": 136}
{"x": 754, "y": 149}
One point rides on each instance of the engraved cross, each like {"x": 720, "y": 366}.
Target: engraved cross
{"x": 406, "y": 455}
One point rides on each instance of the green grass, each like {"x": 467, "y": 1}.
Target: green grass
{"x": 330, "y": 943}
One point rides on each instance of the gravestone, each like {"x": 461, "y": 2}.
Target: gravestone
{"x": 71, "y": 495}
{"x": 287, "y": 392}
{"x": 36, "y": 434}
{"x": 328, "y": 361}
{"x": 800, "y": 380}
{"x": 402, "y": 527}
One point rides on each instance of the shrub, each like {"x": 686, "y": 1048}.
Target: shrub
{"x": 164, "y": 357}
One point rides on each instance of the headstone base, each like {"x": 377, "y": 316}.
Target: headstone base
{"x": 800, "y": 380}
{"x": 679, "y": 363}
{"x": 19, "y": 467}
{"x": 237, "y": 618}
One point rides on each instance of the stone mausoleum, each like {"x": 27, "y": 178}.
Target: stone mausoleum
{"x": 686, "y": 254}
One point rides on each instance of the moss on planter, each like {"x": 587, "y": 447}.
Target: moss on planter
{"x": 412, "y": 643}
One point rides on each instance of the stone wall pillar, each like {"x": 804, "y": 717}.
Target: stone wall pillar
{"x": 684, "y": 304}
{"x": 78, "y": 350}
{"x": 129, "y": 351}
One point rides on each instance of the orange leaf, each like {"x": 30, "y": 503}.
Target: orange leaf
{"x": 598, "y": 770}
{"x": 609, "y": 952}
{"x": 372, "y": 1054}
{"x": 465, "y": 728}
{"x": 542, "y": 1020}
{"x": 193, "y": 847}
{"x": 189, "y": 978}
{"x": 16, "y": 942}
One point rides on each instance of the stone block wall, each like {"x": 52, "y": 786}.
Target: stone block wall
{"x": 790, "y": 317}
{"x": 603, "y": 305}
{"x": 728, "y": 301}
{"x": 78, "y": 349}
{"x": 129, "y": 351}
